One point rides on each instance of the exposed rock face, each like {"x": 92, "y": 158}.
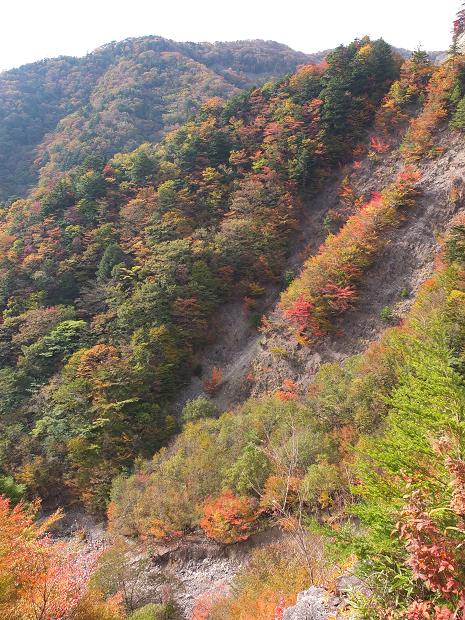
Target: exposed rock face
{"x": 257, "y": 364}
{"x": 313, "y": 604}
{"x": 319, "y": 604}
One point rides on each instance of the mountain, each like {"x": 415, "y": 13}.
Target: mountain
{"x": 351, "y": 445}
{"x": 243, "y": 346}
{"x": 54, "y": 113}
{"x": 436, "y": 57}
{"x": 111, "y": 277}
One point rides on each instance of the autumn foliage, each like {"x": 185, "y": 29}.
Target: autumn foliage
{"x": 229, "y": 518}
{"x": 40, "y": 578}
{"x": 420, "y": 139}
{"x": 327, "y": 285}
{"x": 435, "y": 552}
{"x": 212, "y": 384}
{"x": 113, "y": 271}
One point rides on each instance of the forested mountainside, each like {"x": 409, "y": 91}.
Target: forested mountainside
{"x": 113, "y": 275}
{"x": 361, "y": 464}
{"x": 56, "y": 112}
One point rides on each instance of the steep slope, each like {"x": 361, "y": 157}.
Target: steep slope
{"x": 347, "y": 402}
{"x": 110, "y": 277}
{"x": 405, "y": 262}
{"x": 55, "y": 112}
{"x": 396, "y": 408}
{"x": 258, "y": 363}
{"x": 116, "y": 277}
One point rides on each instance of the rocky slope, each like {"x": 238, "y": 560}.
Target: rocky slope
{"x": 250, "y": 360}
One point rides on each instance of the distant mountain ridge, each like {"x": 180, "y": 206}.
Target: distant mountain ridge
{"x": 55, "y": 112}
{"x": 435, "y": 56}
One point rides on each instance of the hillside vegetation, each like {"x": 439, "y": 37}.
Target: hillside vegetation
{"x": 371, "y": 456}
{"x": 56, "y": 112}
{"x": 110, "y": 276}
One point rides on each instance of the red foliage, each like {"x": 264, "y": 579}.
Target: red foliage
{"x": 457, "y": 468}
{"x": 338, "y": 298}
{"x": 279, "y": 611}
{"x": 327, "y": 284}
{"x": 300, "y": 313}
{"x": 376, "y": 197}
{"x": 212, "y": 385}
{"x": 378, "y": 146}
{"x": 425, "y": 610}
{"x": 434, "y": 555}
{"x": 431, "y": 555}
{"x": 459, "y": 23}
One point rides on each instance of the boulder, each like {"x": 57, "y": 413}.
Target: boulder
{"x": 313, "y": 604}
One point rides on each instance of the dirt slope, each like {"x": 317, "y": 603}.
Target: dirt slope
{"x": 249, "y": 360}
{"x": 236, "y": 342}
{"x": 404, "y": 263}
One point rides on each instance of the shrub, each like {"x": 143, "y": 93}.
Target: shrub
{"x": 119, "y": 567}
{"x": 386, "y": 313}
{"x": 321, "y": 483}
{"x": 199, "y": 408}
{"x": 230, "y": 518}
{"x": 11, "y": 489}
{"x": 419, "y": 139}
{"x": 249, "y": 473}
{"x": 212, "y": 384}
{"x": 39, "y": 577}
{"x": 93, "y": 606}
{"x": 154, "y": 611}
{"x": 281, "y": 494}
{"x": 458, "y": 118}
{"x": 164, "y": 497}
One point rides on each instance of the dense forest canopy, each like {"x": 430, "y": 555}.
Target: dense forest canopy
{"x": 110, "y": 275}
{"x": 56, "y": 112}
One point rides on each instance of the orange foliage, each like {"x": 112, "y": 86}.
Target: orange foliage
{"x": 40, "y": 578}
{"x": 304, "y": 72}
{"x": 90, "y": 360}
{"x": 419, "y": 138}
{"x": 288, "y": 390}
{"x": 229, "y": 518}
{"x": 408, "y": 90}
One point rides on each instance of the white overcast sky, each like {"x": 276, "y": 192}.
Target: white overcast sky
{"x": 34, "y": 29}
